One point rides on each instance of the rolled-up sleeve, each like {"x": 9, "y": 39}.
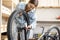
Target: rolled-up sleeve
{"x": 21, "y": 5}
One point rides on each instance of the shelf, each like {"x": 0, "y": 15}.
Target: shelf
{"x": 49, "y": 7}
{"x": 5, "y": 11}
{"x": 49, "y": 20}
{"x": 9, "y": 3}
{"x": 56, "y": 21}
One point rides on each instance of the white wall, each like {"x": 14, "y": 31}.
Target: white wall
{"x": 0, "y": 12}
{"x": 47, "y": 18}
{"x": 47, "y": 14}
{"x": 0, "y": 19}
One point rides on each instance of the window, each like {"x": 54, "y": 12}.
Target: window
{"x": 59, "y": 2}
{"x": 49, "y": 3}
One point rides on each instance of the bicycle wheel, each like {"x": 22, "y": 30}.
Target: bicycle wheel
{"x": 12, "y": 30}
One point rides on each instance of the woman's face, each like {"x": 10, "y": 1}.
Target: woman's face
{"x": 29, "y": 7}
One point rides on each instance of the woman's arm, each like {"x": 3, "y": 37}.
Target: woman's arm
{"x": 18, "y": 18}
{"x": 33, "y": 24}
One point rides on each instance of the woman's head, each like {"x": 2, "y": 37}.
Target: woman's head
{"x": 34, "y": 2}
{"x": 31, "y": 5}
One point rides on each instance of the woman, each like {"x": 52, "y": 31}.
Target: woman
{"x": 28, "y": 22}
{"x": 29, "y": 9}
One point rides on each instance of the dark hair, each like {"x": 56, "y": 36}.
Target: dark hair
{"x": 35, "y": 2}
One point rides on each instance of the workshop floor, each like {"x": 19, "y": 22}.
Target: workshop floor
{"x": 4, "y": 37}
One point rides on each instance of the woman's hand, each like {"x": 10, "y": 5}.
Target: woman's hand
{"x": 28, "y": 27}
